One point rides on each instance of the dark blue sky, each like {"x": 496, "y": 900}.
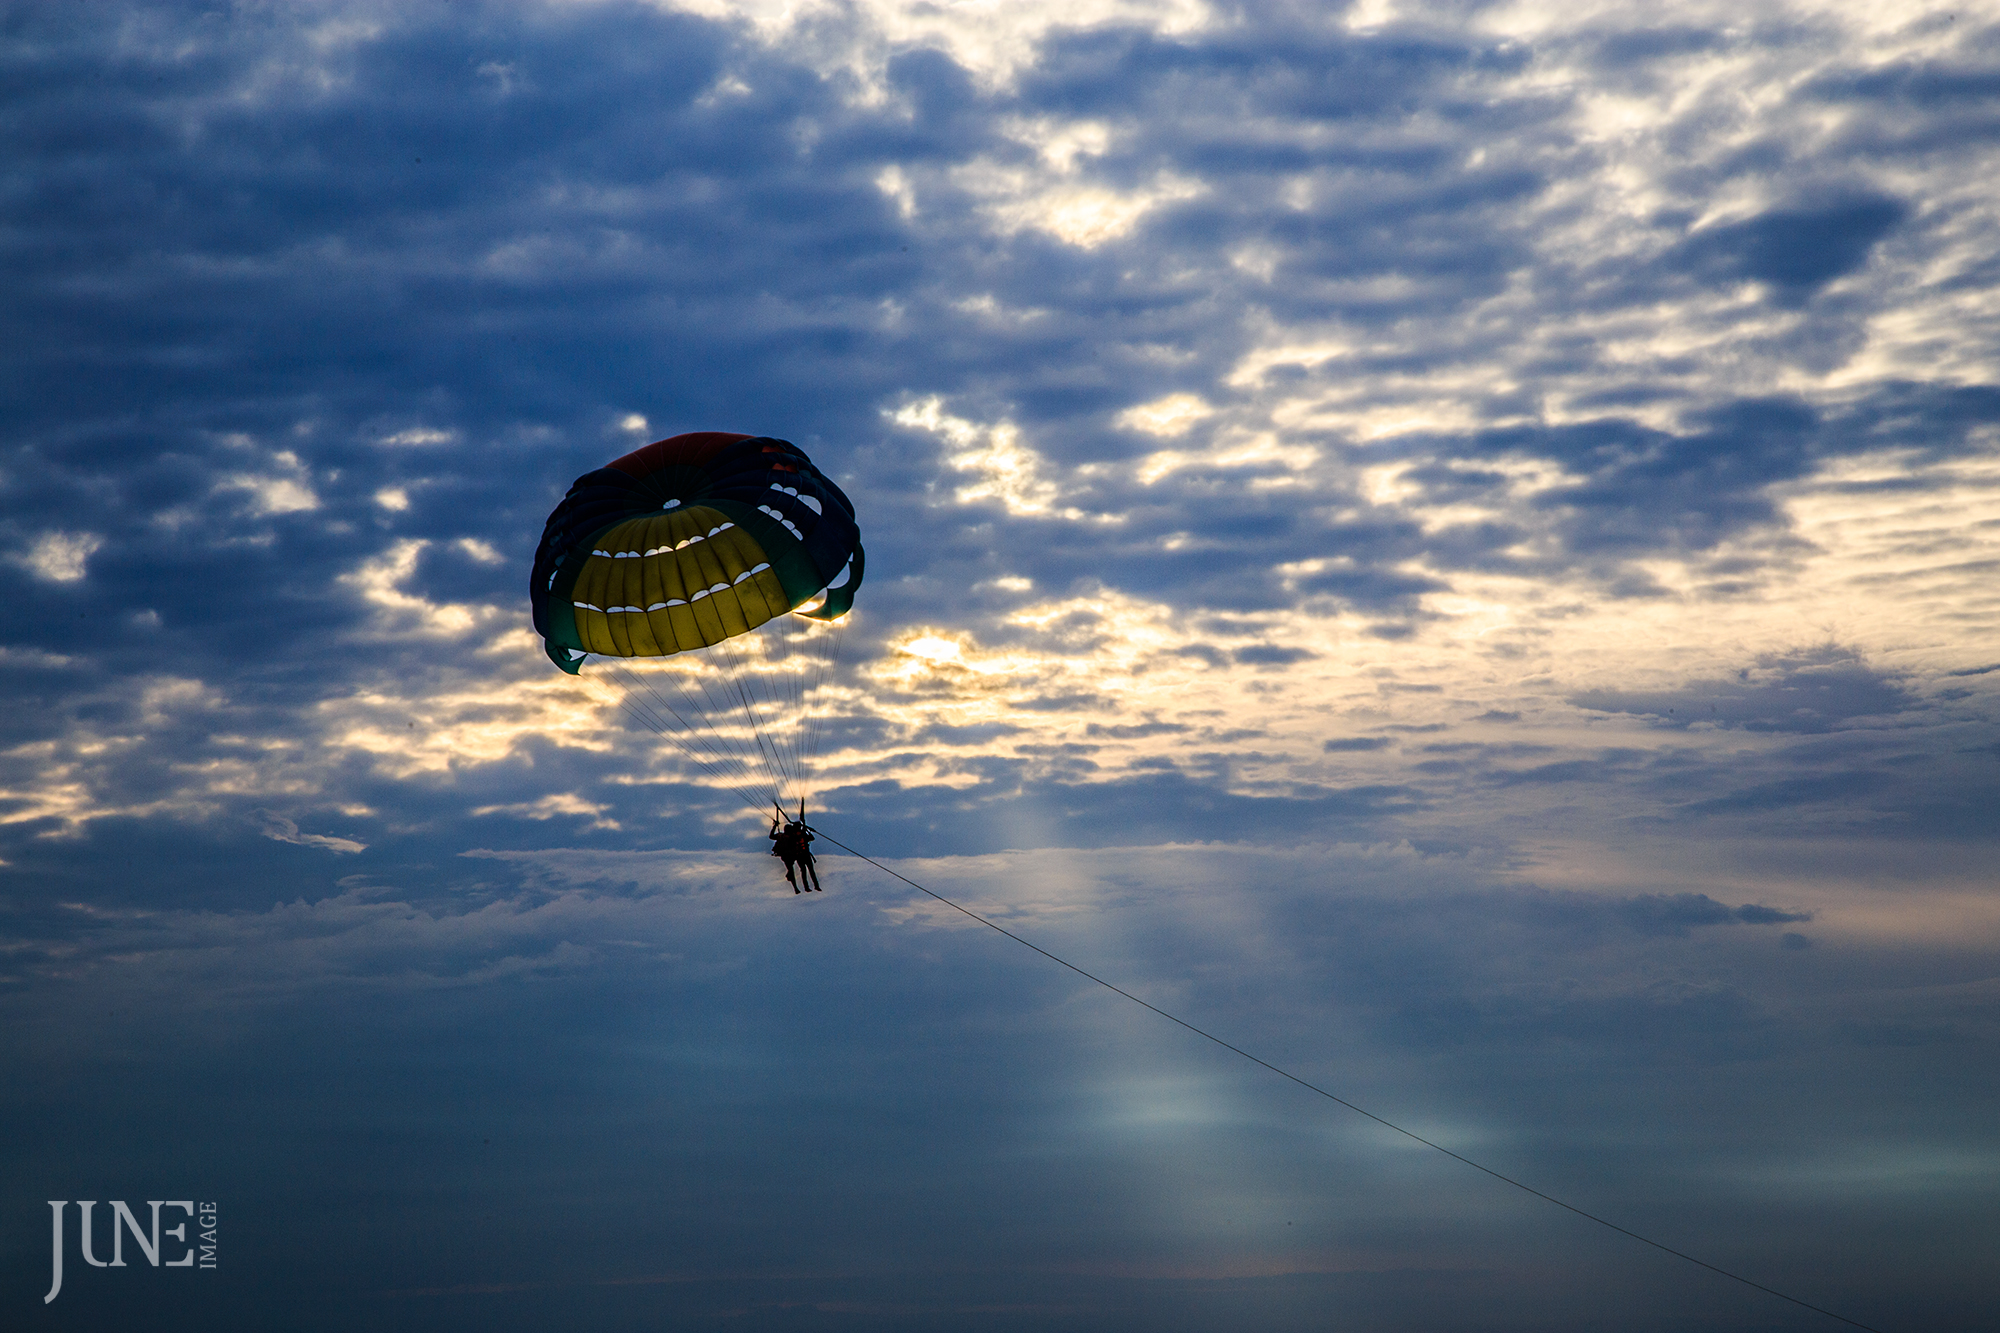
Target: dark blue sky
{"x": 1451, "y": 545}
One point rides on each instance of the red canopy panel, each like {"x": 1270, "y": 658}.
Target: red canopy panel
{"x": 691, "y": 450}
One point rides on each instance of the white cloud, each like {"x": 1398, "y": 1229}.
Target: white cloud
{"x": 892, "y": 181}
{"x": 62, "y": 557}
{"x": 556, "y": 805}
{"x": 420, "y": 435}
{"x": 279, "y": 829}
{"x": 379, "y": 580}
{"x": 993, "y": 39}
{"x": 284, "y": 489}
{"x": 1060, "y": 142}
{"x": 1077, "y": 213}
{"x": 1008, "y": 470}
{"x": 1231, "y": 450}
{"x": 1175, "y": 414}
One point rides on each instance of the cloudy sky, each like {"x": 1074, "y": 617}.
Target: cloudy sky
{"x": 1451, "y": 544}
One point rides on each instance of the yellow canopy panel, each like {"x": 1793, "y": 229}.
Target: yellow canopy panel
{"x": 668, "y": 582}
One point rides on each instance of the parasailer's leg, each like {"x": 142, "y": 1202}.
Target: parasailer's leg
{"x": 812, "y": 869}
{"x": 788, "y": 875}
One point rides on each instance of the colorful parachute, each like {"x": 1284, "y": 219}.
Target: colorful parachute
{"x": 698, "y": 542}
{"x": 690, "y": 541}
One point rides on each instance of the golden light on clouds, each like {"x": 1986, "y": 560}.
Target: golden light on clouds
{"x": 1172, "y": 415}
{"x": 1006, "y": 469}
{"x": 932, "y": 649}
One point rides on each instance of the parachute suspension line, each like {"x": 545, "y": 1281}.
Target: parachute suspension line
{"x": 717, "y": 762}
{"x": 709, "y": 745}
{"x": 812, "y": 729}
{"x": 803, "y": 682}
{"x": 748, "y": 711}
{"x": 736, "y": 788}
{"x": 704, "y": 754}
{"x": 728, "y": 696}
{"x": 821, "y": 642}
{"x": 775, "y": 680}
{"x": 1341, "y": 1101}
{"x": 710, "y": 749}
{"x": 771, "y": 739}
{"x": 742, "y": 683}
{"x": 722, "y": 695}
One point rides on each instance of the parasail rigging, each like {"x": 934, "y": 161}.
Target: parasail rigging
{"x": 713, "y": 573}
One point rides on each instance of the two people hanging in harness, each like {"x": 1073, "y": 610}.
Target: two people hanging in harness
{"x": 791, "y": 842}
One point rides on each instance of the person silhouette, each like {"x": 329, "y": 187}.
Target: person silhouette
{"x": 791, "y": 842}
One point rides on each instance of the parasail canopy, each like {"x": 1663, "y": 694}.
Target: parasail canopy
{"x": 689, "y": 549}
{"x": 690, "y": 541}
